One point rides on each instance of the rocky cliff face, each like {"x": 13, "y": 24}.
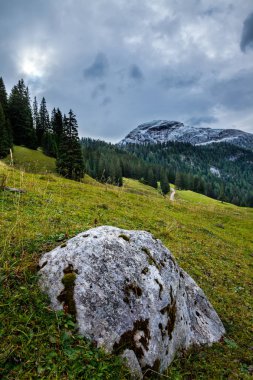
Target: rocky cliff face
{"x": 129, "y": 296}
{"x": 161, "y": 131}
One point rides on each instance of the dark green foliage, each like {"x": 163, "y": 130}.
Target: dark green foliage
{"x": 70, "y": 160}
{"x": 3, "y": 97}
{"x": 180, "y": 181}
{"x": 49, "y": 144}
{"x": 189, "y": 167}
{"x": 43, "y": 124}
{"x": 103, "y": 161}
{"x": 20, "y": 115}
{"x": 185, "y": 165}
{"x": 36, "y": 118}
{"x": 4, "y": 145}
{"x": 5, "y": 127}
{"x": 108, "y": 163}
{"x": 57, "y": 125}
{"x": 164, "y": 183}
{"x": 151, "y": 178}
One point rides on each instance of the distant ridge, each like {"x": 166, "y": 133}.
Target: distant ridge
{"x": 162, "y": 131}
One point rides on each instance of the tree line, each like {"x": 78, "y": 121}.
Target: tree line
{"x": 157, "y": 165}
{"x": 108, "y": 163}
{"x": 190, "y": 168}
{"x": 185, "y": 165}
{"x": 31, "y": 126}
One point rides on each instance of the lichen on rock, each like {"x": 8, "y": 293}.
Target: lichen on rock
{"x": 129, "y": 296}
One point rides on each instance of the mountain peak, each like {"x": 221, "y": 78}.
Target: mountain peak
{"x": 162, "y": 131}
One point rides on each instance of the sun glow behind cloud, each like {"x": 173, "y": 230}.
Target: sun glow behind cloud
{"x": 34, "y": 62}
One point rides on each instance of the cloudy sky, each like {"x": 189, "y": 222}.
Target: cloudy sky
{"x": 120, "y": 63}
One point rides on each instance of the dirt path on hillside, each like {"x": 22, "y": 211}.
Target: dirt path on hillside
{"x": 172, "y": 194}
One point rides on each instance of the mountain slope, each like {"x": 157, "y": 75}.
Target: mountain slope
{"x": 30, "y": 160}
{"x": 161, "y": 131}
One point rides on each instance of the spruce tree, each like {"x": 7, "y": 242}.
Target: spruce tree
{"x": 43, "y": 124}
{"x": 3, "y": 98}
{"x": 4, "y": 103}
{"x": 20, "y": 114}
{"x": 49, "y": 145}
{"x": 35, "y": 114}
{"x": 70, "y": 162}
{"x": 179, "y": 181}
{"x": 57, "y": 125}
{"x": 4, "y": 144}
{"x": 164, "y": 183}
{"x": 151, "y": 178}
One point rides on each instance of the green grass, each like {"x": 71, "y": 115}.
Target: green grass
{"x": 33, "y": 161}
{"x": 210, "y": 240}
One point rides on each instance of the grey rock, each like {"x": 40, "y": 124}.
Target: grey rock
{"x": 132, "y": 362}
{"x": 128, "y": 293}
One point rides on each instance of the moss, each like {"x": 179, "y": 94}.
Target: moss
{"x": 63, "y": 245}
{"x": 151, "y": 259}
{"x": 144, "y": 270}
{"x": 160, "y": 287}
{"x": 171, "y": 311}
{"x": 149, "y": 370}
{"x": 67, "y": 295}
{"x": 181, "y": 274}
{"x": 125, "y": 237}
{"x": 42, "y": 266}
{"x": 162, "y": 330}
{"x": 134, "y": 288}
{"x": 127, "y": 339}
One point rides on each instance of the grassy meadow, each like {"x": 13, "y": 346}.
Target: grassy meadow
{"x": 211, "y": 240}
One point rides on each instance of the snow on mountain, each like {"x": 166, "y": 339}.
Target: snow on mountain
{"x": 215, "y": 171}
{"x": 161, "y": 131}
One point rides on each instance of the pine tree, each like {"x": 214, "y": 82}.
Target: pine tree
{"x": 43, "y": 124}
{"x": 4, "y": 144}
{"x": 4, "y": 103}
{"x": 3, "y": 98}
{"x": 57, "y": 125}
{"x": 35, "y": 114}
{"x": 164, "y": 183}
{"x": 179, "y": 181}
{"x": 49, "y": 144}
{"x": 70, "y": 162}
{"x": 20, "y": 114}
{"x": 151, "y": 178}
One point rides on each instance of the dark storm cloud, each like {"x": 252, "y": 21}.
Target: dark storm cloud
{"x": 98, "y": 90}
{"x": 99, "y": 68}
{"x": 107, "y": 100}
{"x": 211, "y": 11}
{"x": 135, "y": 73}
{"x": 247, "y": 33}
{"x": 179, "y": 80}
{"x": 202, "y": 120}
{"x": 121, "y": 63}
{"x": 235, "y": 93}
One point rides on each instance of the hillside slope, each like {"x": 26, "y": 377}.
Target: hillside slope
{"x": 210, "y": 240}
{"x": 29, "y": 160}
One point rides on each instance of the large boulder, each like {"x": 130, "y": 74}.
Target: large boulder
{"x": 129, "y": 296}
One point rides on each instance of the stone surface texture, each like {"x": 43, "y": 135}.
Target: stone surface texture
{"x": 129, "y": 295}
